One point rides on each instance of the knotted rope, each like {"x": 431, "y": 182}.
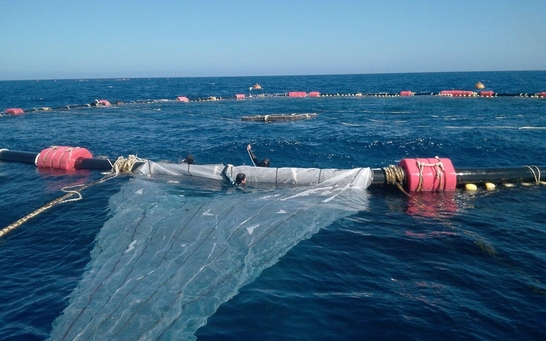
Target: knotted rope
{"x": 440, "y": 173}
{"x": 395, "y": 175}
{"x": 123, "y": 165}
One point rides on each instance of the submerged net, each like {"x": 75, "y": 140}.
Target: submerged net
{"x": 173, "y": 253}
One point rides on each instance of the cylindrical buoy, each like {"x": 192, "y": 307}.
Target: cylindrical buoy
{"x": 61, "y": 157}
{"x": 14, "y": 111}
{"x": 480, "y": 85}
{"x": 428, "y": 175}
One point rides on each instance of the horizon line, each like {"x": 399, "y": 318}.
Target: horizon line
{"x": 257, "y": 76}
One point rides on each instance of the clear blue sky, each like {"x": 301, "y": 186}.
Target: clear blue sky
{"x": 47, "y": 39}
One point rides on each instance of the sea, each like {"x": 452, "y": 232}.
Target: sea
{"x": 462, "y": 265}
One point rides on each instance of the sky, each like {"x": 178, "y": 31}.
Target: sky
{"x": 67, "y": 39}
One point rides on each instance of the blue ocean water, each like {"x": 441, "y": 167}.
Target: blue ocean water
{"x": 435, "y": 266}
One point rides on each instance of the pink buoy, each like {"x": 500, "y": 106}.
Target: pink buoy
{"x": 407, "y": 93}
{"x": 14, "y": 111}
{"x": 104, "y": 103}
{"x": 314, "y": 94}
{"x": 457, "y": 93}
{"x": 433, "y": 174}
{"x": 61, "y": 157}
{"x": 182, "y": 99}
{"x": 297, "y": 94}
{"x": 487, "y": 93}
{"x": 239, "y": 96}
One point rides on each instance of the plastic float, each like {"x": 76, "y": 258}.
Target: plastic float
{"x": 14, "y": 111}
{"x": 297, "y": 94}
{"x": 487, "y": 93}
{"x": 61, "y": 157}
{"x": 414, "y": 175}
{"x": 458, "y": 93}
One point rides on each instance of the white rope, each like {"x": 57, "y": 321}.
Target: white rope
{"x": 537, "y": 178}
{"x": 440, "y": 171}
{"x": 123, "y": 165}
{"x": 250, "y": 156}
{"x": 74, "y": 192}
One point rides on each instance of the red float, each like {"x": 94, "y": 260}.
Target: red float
{"x": 14, "y": 111}
{"x": 407, "y": 93}
{"x": 297, "y": 94}
{"x": 61, "y": 157}
{"x": 457, "y": 93}
{"x": 427, "y": 175}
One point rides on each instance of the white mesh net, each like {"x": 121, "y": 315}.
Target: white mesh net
{"x": 174, "y": 252}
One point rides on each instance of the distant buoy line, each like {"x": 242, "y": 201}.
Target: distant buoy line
{"x": 292, "y": 94}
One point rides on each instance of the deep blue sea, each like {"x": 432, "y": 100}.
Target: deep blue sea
{"x": 448, "y": 266}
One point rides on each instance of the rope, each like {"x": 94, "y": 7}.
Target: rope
{"x": 440, "y": 173}
{"x": 395, "y": 175}
{"x": 250, "y": 156}
{"x": 59, "y": 200}
{"x": 45, "y": 155}
{"x": 73, "y": 192}
{"x": 537, "y": 178}
{"x": 121, "y": 165}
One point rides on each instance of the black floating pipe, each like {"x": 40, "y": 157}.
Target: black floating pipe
{"x": 98, "y": 164}
{"x": 464, "y": 175}
{"x": 483, "y": 175}
{"x": 497, "y": 175}
{"x": 25, "y": 157}
{"x": 378, "y": 176}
